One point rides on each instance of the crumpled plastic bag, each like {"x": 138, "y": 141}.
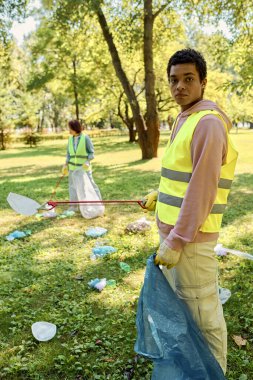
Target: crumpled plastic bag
{"x": 98, "y": 284}
{"x": 139, "y": 226}
{"x": 18, "y": 235}
{"x": 167, "y": 334}
{"x": 47, "y": 214}
{"x": 224, "y": 295}
{"x": 103, "y": 250}
{"x": 86, "y": 192}
{"x": 95, "y": 232}
{"x": 125, "y": 267}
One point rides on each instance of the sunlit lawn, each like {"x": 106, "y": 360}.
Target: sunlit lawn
{"x": 96, "y": 331}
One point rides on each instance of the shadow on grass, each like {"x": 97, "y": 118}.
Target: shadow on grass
{"x": 240, "y": 202}
{"x": 34, "y": 226}
{"x": 105, "y": 145}
{"x": 33, "y": 183}
{"x": 53, "y": 150}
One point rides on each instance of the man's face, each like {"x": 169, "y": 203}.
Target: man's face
{"x": 185, "y": 85}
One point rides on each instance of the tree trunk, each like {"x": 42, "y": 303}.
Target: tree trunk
{"x": 127, "y": 119}
{"x": 152, "y": 119}
{"x": 148, "y": 146}
{"x": 42, "y": 120}
{"x": 129, "y": 123}
{"x": 131, "y": 129}
{"x": 75, "y": 89}
{"x": 132, "y": 134}
{"x": 2, "y": 139}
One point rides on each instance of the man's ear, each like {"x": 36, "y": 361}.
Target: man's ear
{"x": 204, "y": 82}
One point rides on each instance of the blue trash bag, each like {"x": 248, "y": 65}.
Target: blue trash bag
{"x": 168, "y": 335}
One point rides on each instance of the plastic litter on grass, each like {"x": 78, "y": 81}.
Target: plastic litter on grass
{"x": 139, "y": 226}
{"x": 125, "y": 267}
{"x": 95, "y": 232}
{"x": 53, "y": 214}
{"x": 43, "y": 331}
{"x": 66, "y": 214}
{"x": 222, "y": 251}
{"x": 100, "y": 284}
{"x": 47, "y": 214}
{"x": 18, "y": 235}
{"x": 224, "y": 295}
{"x": 102, "y": 251}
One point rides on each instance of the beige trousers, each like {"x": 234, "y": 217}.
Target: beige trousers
{"x": 195, "y": 280}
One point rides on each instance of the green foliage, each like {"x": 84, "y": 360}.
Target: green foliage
{"x": 5, "y": 138}
{"x": 42, "y": 89}
{"x": 242, "y": 62}
{"x": 10, "y": 10}
{"x": 37, "y": 82}
{"x": 235, "y": 53}
{"x": 32, "y": 139}
{"x": 61, "y": 53}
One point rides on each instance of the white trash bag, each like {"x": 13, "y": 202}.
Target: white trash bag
{"x": 86, "y": 192}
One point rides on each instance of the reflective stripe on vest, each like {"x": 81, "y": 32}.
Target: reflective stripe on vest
{"x": 78, "y": 157}
{"x": 177, "y": 202}
{"x": 185, "y": 177}
{"x": 177, "y": 171}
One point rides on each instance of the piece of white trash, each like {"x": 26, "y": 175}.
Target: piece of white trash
{"x": 43, "y": 331}
{"x": 101, "y": 284}
{"x": 224, "y": 295}
{"x": 222, "y": 251}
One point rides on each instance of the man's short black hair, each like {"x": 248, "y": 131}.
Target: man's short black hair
{"x": 189, "y": 56}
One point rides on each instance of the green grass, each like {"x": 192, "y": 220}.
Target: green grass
{"x": 96, "y": 331}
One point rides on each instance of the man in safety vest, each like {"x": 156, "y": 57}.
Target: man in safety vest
{"x": 197, "y": 172}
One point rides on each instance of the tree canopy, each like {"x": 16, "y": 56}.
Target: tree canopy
{"x": 105, "y": 62}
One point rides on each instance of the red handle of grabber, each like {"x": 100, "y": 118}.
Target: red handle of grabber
{"x": 53, "y": 204}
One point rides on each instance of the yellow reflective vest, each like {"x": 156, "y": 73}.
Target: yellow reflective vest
{"x": 77, "y": 158}
{"x": 176, "y": 175}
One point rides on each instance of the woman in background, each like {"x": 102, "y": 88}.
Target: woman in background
{"x": 80, "y": 152}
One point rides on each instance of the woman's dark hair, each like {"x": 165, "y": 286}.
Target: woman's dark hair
{"x": 75, "y": 126}
{"x": 189, "y": 56}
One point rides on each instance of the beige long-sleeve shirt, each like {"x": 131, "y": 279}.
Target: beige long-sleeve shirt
{"x": 208, "y": 153}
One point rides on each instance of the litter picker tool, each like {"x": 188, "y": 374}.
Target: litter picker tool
{"x": 57, "y": 185}
{"x": 27, "y": 206}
